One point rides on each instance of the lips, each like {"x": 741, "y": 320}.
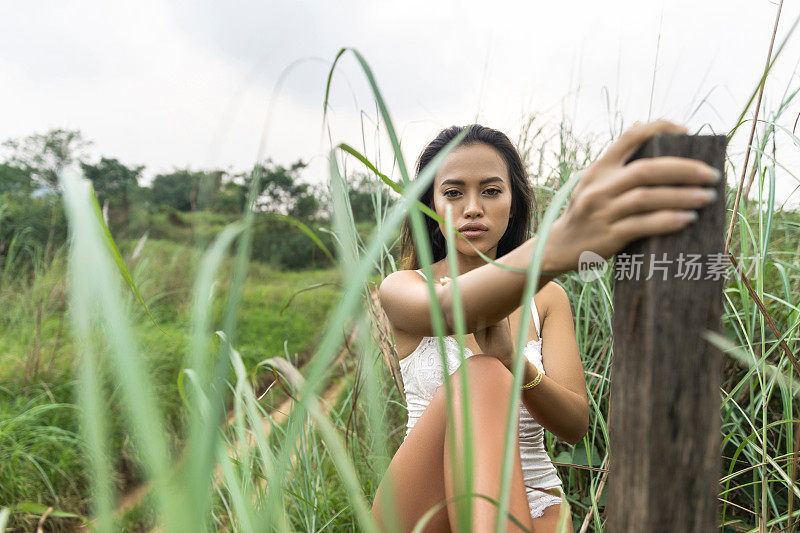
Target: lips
{"x": 473, "y": 226}
{"x": 473, "y": 230}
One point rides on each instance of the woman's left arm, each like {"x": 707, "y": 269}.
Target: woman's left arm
{"x": 559, "y": 401}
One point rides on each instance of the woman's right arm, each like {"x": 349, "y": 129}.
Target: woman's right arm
{"x": 613, "y": 204}
{"x": 486, "y": 292}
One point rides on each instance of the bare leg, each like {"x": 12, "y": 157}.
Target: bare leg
{"x": 490, "y": 395}
{"x": 416, "y": 473}
{"x": 548, "y": 522}
{"x": 420, "y": 473}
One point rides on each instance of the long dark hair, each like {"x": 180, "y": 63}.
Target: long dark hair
{"x": 519, "y": 226}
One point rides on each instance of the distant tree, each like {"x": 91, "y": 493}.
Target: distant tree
{"x": 362, "y": 197}
{"x": 280, "y": 190}
{"x": 116, "y": 187}
{"x": 177, "y": 189}
{"x": 210, "y": 185}
{"x": 231, "y": 196}
{"x": 42, "y": 156}
{"x": 306, "y": 201}
{"x": 187, "y": 190}
{"x": 14, "y": 180}
{"x": 112, "y": 180}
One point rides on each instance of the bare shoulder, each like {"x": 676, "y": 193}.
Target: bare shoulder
{"x": 553, "y": 289}
{"x": 401, "y": 275}
{"x": 403, "y": 294}
{"x": 404, "y": 298}
{"x": 395, "y": 283}
{"x": 552, "y": 296}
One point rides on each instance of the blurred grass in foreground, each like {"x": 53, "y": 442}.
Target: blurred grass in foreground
{"x": 181, "y": 408}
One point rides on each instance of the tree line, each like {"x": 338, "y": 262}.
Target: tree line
{"x": 32, "y": 220}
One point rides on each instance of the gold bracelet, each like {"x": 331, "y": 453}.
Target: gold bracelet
{"x": 535, "y": 380}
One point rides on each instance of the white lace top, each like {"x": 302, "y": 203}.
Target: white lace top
{"x": 422, "y": 376}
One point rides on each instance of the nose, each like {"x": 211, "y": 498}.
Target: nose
{"x": 473, "y": 208}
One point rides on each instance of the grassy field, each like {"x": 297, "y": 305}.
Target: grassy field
{"x": 109, "y": 418}
{"x": 44, "y": 455}
{"x": 43, "y": 461}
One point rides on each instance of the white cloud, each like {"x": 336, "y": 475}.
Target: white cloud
{"x": 187, "y": 83}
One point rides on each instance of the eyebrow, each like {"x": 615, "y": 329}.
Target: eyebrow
{"x": 461, "y": 182}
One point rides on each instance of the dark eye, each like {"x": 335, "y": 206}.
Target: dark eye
{"x": 446, "y": 195}
{"x": 497, "y": 191}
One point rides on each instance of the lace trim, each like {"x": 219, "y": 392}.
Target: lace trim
{"x": 428, "y": 340}
{"x": 542, "y": 501}
{"x": 422, "y": 369}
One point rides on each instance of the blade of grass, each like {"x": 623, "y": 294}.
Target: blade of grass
{"x": 464, "y": 509}
{"x": 532, "y": 281}
{"x": 144, "y": 415}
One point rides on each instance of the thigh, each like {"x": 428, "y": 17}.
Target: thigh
{"x": 548, "y": 521}
{"x": 416, "y": 473}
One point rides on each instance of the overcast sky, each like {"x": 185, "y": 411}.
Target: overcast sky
{"x": 182, "y": 83}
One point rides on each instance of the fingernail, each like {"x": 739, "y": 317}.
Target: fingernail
{"x": 713, "y": 174}
{"x": 689, "y": 216}
{"x": 706, "y": 196}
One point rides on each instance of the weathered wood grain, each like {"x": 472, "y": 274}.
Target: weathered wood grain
{"x": 664, "y": 420}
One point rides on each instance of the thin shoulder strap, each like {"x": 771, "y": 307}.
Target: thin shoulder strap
{"x": 535, "y": 314}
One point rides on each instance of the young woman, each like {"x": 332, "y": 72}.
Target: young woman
{"x": 484, "y": 182}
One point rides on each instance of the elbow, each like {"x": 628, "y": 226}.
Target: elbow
{"x": 575, "y": 438}
{"x": 582, "y": 428}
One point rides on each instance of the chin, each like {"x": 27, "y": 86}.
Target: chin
{"x": 483, "y": 247}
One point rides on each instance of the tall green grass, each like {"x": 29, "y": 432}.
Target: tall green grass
{"x": 237, "y": 469}
{"x": 277, "y": 317}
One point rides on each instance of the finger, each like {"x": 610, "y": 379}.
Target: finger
{"x": 655, "y": 223}
{"x": 647, "y": 199}
{"x": 664, "y": 170}
{"x": 633, "y": 138}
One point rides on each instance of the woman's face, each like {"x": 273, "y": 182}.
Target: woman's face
{"x": 474, "y": 180}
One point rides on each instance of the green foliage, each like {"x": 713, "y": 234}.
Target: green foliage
{"x": 117, "y": 188}
{"x": 29, "y": 227}
{"x": 40, "y": 458}
{"x": 43, "y": 156}
{"x": 286, "y": 247}
{"x": 272, "y": 312}
{"x": 318, "y": 471}
{"x": 14, "y": 180}
{"x": 363, "y": 197}
{"x": 279, "y": 189}
{"x": 112, "y": 181}
{"x": 163, "y": 271}
{"x": 231, "y": 198}
{"x": 178, "y": 190}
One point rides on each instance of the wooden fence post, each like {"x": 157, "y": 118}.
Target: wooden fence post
{"x": 664, "y": 419}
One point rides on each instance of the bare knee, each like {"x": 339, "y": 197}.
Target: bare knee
{"x": 485, "y": 369}
{"x": 487, "y": 379}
